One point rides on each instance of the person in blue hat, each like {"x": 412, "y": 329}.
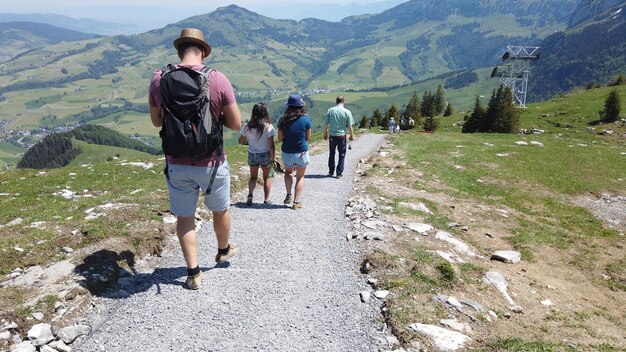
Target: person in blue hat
{"x": 294, "y": 130}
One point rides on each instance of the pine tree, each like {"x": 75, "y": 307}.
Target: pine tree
{"x": 475, "y": 120}
{"x": 612, "y": 107}
{"x": 377, "y": 117}
{"x": 439, "y": 100}
{"x": 487, "y": 123}
{"x": 430, "y": 123}
{"x": 449, "y": 111}
{"x": 429, "y": 107}
{"x": 413, "y": 111}
{"x": 392, "y": 112}
{"x": 364, "y": 121}
{"x": 506, "y": 118}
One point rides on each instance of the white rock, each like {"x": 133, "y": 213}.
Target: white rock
{"x": 5, "y": 335}
{"x": 382, "y": 294}
{"x": 365, "y": 296}
{"x": 493, "y": 314}
{"x": 521, "y": 143}
{"x": 459, "y": 245}
{"x": 10, "y": 326}
{"x": 93, "y": 216}
{"x": 510, "y": 257}
{"x": 19, "y": 249}
{"x": 497, "y": 279}
{"x": 503, "y": 154}
{"x": 372, "y": 225}
{"x": 372, "y": 281}
{"x": 383, "y": 154}
{"x": 392, "y": 340}
{"x": 456, "y": 325}
{"x": 488, "y": 144}
{"x": 25, "y": 346}
{"x": 444, "y": 340}
{"x": 70, "y": 333}
{"x": 146, "y": 166}
{"x": 419, "y": 228}
{"x": 539, "y": 144}
{"x": 60, "y": 346}
{"x": 169, "y": 219}
{"x": 37, "y": 224}
{"x": 547, "y": 302}
{"x": 454, "y": 302}
{"x": 40, "y": 334}
{"x": 517, "y": 309}
{"x": 450, "y": 257}
{"x": 397, "y": 228}
{"x": 38, "y": 315}
{"x": 14, "y": 222}
{"x": 47, "y": 348}
{"x": 417, "y": 207}
{"x": 67, "y": 250}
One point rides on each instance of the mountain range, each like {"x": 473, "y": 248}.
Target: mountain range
{"x": 380, "y": 58}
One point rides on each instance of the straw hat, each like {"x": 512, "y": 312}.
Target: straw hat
{"x": 192, "y": 35}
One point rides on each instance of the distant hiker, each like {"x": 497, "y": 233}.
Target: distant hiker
{"x": 392, "y": 125}
{"x": 191, "y": 104}
{"x": 338, "y": 119}
{"x": 259, "y": 133}
{"x": 294, "y": 130}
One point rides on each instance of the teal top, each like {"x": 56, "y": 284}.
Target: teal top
{"x": 338, "y": 119}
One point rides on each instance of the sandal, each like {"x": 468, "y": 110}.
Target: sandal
{"x": 249, "y": 201}
{"x": 267, "y": 202}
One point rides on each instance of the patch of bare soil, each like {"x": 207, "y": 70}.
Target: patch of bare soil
{"x": 566, "y": 295}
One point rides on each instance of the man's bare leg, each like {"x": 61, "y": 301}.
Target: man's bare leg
{"x": 186, "y": 231}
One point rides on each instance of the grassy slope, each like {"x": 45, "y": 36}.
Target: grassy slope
{"x": 540, "y": 184}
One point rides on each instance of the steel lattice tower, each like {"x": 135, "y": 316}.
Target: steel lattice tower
{"x": 514, "y": 69}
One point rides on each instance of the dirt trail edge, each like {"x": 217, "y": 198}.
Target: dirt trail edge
{"x": 293, "y": 286}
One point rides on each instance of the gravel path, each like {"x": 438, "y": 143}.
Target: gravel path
{"x": 293, "y": 286}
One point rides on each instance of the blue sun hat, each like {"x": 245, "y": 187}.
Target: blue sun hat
{"x": 295, "y": 101}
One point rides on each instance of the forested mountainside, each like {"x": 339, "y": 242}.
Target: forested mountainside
{"x": 592, "y": 52}
{"x": 57, "y": 150}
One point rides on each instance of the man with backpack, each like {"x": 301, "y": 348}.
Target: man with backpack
{"x": 191, "y": 104}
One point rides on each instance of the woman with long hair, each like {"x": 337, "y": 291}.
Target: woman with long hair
{"x": 294, "y": 130}
{"x": 259, "y": 133}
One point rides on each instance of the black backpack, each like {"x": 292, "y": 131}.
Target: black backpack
{"x": 188, "y": 128}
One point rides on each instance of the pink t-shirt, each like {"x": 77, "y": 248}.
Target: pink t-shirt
{"x": 222, "y": 94}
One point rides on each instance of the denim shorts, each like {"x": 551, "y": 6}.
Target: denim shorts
{"x": 296, "y": 159}
{"x": 260, "y": 159}
{"x": 186, "y": 182}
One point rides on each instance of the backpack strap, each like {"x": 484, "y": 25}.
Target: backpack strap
{"x": 213, "y": 174}
{"x": 167, "y": 69}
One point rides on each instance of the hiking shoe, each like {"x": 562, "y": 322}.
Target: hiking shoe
{"x": 193, "y": 282}
{"x": 297, "y": 205}
{"x": 249, "y": 201}
{"x": 287, "y": 199}
{"x": 220, "y": 258}
{"x": 330, "y": 174}
{"x": 339, "y": 175}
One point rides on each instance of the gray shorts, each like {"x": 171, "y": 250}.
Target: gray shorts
{"x": 260, "y": 159}
{"x": 186, "y": 182}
